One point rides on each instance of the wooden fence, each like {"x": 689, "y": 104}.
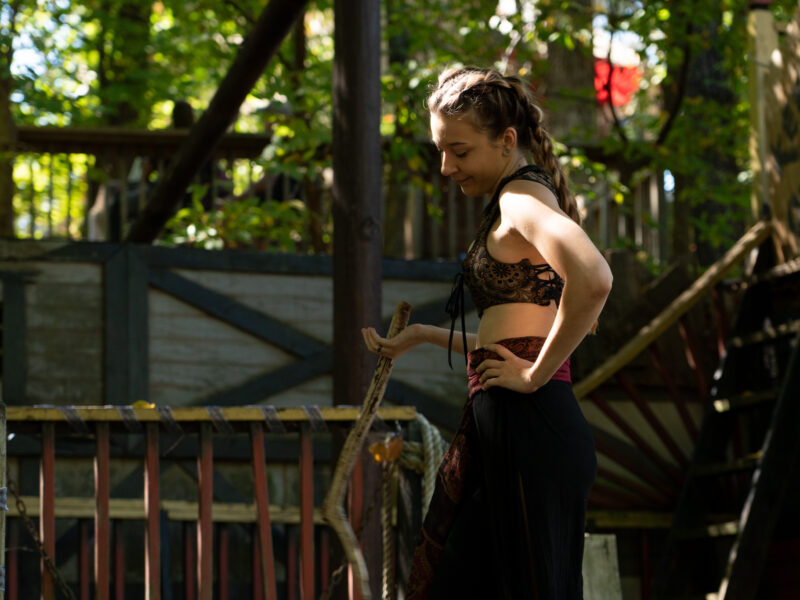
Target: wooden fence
{"x": 230, "y": 506}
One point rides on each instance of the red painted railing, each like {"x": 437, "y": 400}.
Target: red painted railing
{"x": 306, "y": 566}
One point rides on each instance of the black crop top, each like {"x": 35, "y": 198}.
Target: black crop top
{"x": 492, "y": 282}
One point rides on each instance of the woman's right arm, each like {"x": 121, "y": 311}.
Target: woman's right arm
{"x": 413, "y": 336}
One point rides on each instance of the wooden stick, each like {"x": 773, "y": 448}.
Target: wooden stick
{"x": 333, "y": 507}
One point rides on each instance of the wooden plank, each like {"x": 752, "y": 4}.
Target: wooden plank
{"x": 252, "y": 261}
{"x": 138, "y": 343}
{"x": 259, "y": 388}
{"x": 665, "y": 467}
{"x": 102, "y": 520}
{"x": 306, "y": 463}
{"x": 47, "y": 515}
{"x": 631, "y": 459}
{"x": 768, "y": 491}
{"x": 189, "y": 569}
{"x": 224, "y": 562}
{"x": 152, "y": 533}
{"x": 132, "y": 509}
{"x": 84, "y": 561}
{"x": 205, "y": 523}
{"x": 102, "y": 140}
{"x": 650, "y": 332}
{"x": 644, "y": 408}
{"x": 200, "y": 414}
{"x": 265, "y": 561}
{"x": 14, "y": 340}
{"x": 119, "y": 562}
{"x": 677, "y": 398}
{"x": 234, "y": 313}
{"x": 12, "y": 581}
{"x": 115, "y": 336}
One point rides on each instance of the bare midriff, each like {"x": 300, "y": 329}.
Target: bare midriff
{"x": 504, "y": 321}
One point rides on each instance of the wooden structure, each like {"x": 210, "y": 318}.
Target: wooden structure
{"x": 226, "y": 529}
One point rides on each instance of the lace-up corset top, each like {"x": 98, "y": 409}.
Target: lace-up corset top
{"x": 492, "y": 282}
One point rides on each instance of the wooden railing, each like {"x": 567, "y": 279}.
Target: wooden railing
{"x": 152, "y": 436}
{"x": 88, "y": 184}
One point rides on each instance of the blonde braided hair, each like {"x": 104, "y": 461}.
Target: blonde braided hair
{"x": 498, "y": 102}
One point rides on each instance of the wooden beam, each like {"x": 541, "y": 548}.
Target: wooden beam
{"x": 163, "y": 143}
{"x": 197, "y": 414}
{"x": 768, "y": 492}
{"x": 235, "y": 313}
{"x": 152, "y": 532}
{"x": 205, "y": 523}
{"x": 14, "y": 335}
{"x": 102, "y": 520}
{"x": 46, "y": 503}
{"x": 357, "y": 192}
{"x": 650, "y": 332}
{"x": 259, "y": 47}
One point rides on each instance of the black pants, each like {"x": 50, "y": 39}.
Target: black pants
{"x": 519, "y": 530}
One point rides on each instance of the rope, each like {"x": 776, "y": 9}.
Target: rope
{"x": 388, "y": 519}
{"x": 434, "y": 447}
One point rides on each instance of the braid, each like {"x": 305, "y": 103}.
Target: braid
{"x": 498, "y": 102}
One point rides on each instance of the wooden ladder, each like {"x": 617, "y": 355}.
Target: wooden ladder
{"x": 745, "y": 451}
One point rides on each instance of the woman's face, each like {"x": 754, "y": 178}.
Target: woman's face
{"x": 474, "y": 161}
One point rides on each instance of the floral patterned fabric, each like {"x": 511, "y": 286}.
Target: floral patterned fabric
{"x": 492, "y": 282}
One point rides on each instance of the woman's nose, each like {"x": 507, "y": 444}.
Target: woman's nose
{"x": 448, "y": 167}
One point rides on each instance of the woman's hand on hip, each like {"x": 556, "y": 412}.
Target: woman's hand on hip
{"x": 411, "y": 336}
{"x": 509, "y": 371}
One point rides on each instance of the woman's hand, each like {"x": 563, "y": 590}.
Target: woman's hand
{"x": 511, "y": 371}
{"x": 411, "y": 336}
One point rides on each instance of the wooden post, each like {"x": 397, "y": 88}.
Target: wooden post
{"x": 3, "y": 484}
{"x": 102, "y": 531}
{"x": 762, "y": 41}
{"x": 357, "y": 193}
{"x": 205, "y": 524}
{"x": 306, "y": 514}
{"x": 47, "y": 509}
{"x": 264, "y": 565}
{"x": 152, "y": 532}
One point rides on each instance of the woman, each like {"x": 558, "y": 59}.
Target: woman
{"x": 508, "y": 513}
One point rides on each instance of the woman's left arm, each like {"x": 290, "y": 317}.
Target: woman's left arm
{"x": 587, "y": 283}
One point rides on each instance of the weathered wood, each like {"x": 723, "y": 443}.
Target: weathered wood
{"x": 132, "y": 509}
{"x": 234, "y": 313}
{"x": 262, "y": 42}
{"x": 332, "y": 507}
{"x": 781, "y": 451}
{"x": 102, "y": 520}
{"x": 152, "y": 503}
{"x": 104, "y": 140}
{"x": 46, "y": 502}
{"x": 264, "y": 559}
{"x": 14, "y": 339}
{"x": 647, "y": 334}
{"x": 205, "y": 523}
{"x": 200, "y": 414}
{"x": 357, "y": 192}
{"x": 125, "y": 319}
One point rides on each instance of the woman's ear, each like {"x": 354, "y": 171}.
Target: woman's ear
{"x": 509, "y": 138}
